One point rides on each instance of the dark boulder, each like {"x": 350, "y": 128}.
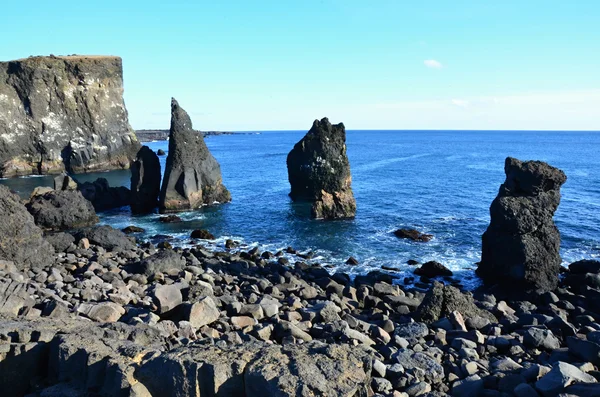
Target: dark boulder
{"x": 319, "y": 172}
{"x": 133, "y": 229}
{"x": 585, "y": 266}
{"x": 203, "y": 234}
{"x": 413, "y": 235}
{"x": 107, "y": 237}
{"x": 64, "y": 182}
{"x": 163, "y": 261}
{"x": 62, "y": 210}
{"x": 103, "y": 197}
{"x": 160, "y": 152}
{"x": 21, "y": 240}
{"x": 442, "y": 300}
{"x": 433, "y": 269}
{"x": 521, "y": 245}
{"x": 60, "y": 241}
{"x": 145, "y": 181}
{"x": 169, "y": 219}
{"x": 192, "y": 175}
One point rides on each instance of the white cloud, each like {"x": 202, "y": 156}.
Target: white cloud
{"x": 433, "y": 64}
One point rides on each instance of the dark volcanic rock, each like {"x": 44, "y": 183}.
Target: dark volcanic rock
{"x": 521, "y": 245}
{"x": 63, "y": 113}
{"x": 433, "y": 269}
{"x": 62, "y": 210}
{"x": 21, "y": 240}
{"x": 203, "y": 234}
{"x": 319, "y": 171}
{"x": 169, "y": 219}
{"x": 107, "y": 237}
{"x": 160, "y": 152}
{"x": 133, "y": 229}
{"x": 413, "y": 235}
{"x": 60, "y": 241}
{"x": 104, "y": 197}
{"x": 442, "y": 300}
{"x": 192, "y": 175}
{"x": 145, "y": 181}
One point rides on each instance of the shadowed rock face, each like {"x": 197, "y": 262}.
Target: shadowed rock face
{"x": 63, "y": 113}
{"x": 521, "y": 245}
{"x": 62, "y": 210}
{"x": 319, "y": 171}
{"x": 21, "y": 240}
{"x": 192, "y": 175}
{"x": 145, "y": 181}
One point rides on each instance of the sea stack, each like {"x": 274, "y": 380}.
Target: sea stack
{"x": 521, "y": 245}
{"x": 192, "y": 175}
{"x": 319, "y": 172}
{"x": 63, "y": 114}
{"x": 145, "y": 181}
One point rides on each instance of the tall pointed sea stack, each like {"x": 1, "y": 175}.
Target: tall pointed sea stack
{"x": 521, "y": 245}
{"x": 192, "y": 175}
{"x": 319, "y": 171}
{"x": 145, "y": 181}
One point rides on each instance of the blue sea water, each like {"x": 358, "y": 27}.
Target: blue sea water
{"x": 439, "y": 182}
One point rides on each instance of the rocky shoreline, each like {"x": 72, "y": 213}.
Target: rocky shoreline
{"x": 106, "y": 316}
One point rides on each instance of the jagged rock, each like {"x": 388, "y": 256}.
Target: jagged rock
{"x": 60, "y": 241}
{"x": 105, "y": 312}
{"x": 413, "y": 235}
{"x": 521, "y": 245}
{"x": 145, "y": 181}
{"x": 441, "y": 300}
{"x": 319, "y": 171}
{"x": 62, "y": 210}
{"x": 167, "y": 297}
{"x": 21, "y": 241}
{"x": 107, "y": 237}
{"x": 103, "y": 197}
{"x": 64, "y": 182}
{"x": 14, "y": 298}
{"x": 63, "y": 113}
{"x": 192, "y": 175}
{"x": 561, "y": 376}
{"x": 200, "y": 313}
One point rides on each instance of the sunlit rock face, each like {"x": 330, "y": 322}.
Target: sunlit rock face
{"x": 63, "y": 113}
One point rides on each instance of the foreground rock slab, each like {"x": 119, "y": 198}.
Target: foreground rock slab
{"x": 319, "y": 172}
{"x": 192, "y": 175}
{"x": 521, "y": 245}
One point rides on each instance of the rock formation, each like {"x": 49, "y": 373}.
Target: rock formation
{"x": 103, "y": 196}
{"x": 319, "y": 171}
{"x": 63, "y": 113}
{"x": 145, "y": 181}
{"x": 21, "y": 240}
{"x": 521, "y": 245}
{"x": 192, "y": 175}
{"x": 62, "y": 210}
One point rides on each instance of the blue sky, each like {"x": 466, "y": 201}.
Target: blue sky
{"x": 253, "y": 65}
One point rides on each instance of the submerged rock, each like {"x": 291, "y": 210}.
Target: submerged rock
{"x": 63, "y": 114}
{"x": 62, "y": 210}
{"x": 192, "y": 175}
{"x": 433, "y": 269}
{"x": 413, "y": 235}
{"x": 21, "y": 240}
{"x": 521, "y": 245}
{"x": 145, "y": 181}
{"x": 319, "y": 171}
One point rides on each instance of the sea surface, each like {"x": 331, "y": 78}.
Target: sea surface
{"x": 439, "y": 182}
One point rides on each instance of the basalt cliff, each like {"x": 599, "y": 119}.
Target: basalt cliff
{"x": 63, "y": 114}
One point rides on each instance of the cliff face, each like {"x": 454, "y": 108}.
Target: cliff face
{"x": 63, "y": 113}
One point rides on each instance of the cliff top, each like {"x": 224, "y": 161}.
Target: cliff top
{"x": 73, "y": 57}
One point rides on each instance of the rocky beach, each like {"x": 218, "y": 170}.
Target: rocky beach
{"x": 87, "y": 309}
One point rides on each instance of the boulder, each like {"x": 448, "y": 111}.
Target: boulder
{"x": 413, "y": 235}
{"x": 167, "y": 297}
{"x": 160, "y": 152}
{"x": 162, "y": 261}
{"x": 585, "y": 266}
{"x": 319, "y": 172}
{"x": 521, "y": 245}
{"x": 145, "y": 181}
{"x": 63, "y": 114}
{"x": 202, "y": 234}
{"x": 107, "y": 237}
{"x": 103, "y": 197}
{"x": 433, "y": 269}
{"x": 200, "y": 313}
{"x": 105, "y": 312}
{"x": 64, "y": 182}
{"x": 441, "y": 300}
{"x": 14, "y": 298}
{"x": 192, "y": 175}
{"x": 60, "y": 241}
{"x": 561, "y": 376}
{"x": 21, "y": 240}
{"x": 62, "y": 210}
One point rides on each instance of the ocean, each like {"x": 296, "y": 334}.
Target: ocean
{"x": 439, "y": 182}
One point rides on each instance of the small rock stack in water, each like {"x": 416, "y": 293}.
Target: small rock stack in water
{"x": 145, "y": 181}
{"x": 192, "y": 175}
{"x": 521, "y": 245}
{"x": 319, "y": 171}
